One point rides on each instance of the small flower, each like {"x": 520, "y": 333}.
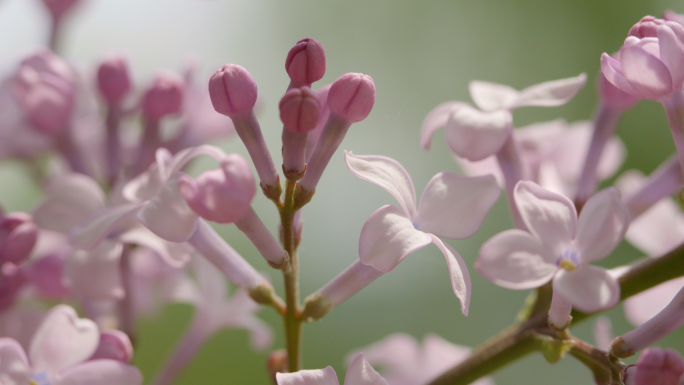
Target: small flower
{"x": 164, "y": 97}
{"x": 360, "y": 372}
{"x": 113, "y": 78}
{"x": 453, "y": 206}
{"x": 559, "y": 246}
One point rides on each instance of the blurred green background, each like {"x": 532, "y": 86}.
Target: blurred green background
{"x": 420, "y": 54}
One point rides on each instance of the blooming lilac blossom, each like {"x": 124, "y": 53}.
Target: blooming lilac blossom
{"x": 59, "y": 354}
{"x": 406, "y": 362}
{"x": 559, "y": 246}
{"x": 360, "y": 372}
{"x": 452, "y": 206}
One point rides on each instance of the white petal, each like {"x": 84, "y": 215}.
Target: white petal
{"x": 96, "y": 274}
{"x": 647, "y": 75}
{"x": 386, "y": 173}
{"x": 612, "y": 70}
{"x": 14, "y": 366}
{"x": 589, "y": 288}
{"x": 550, "y": 216}
{"x": 325, "y": 376}
{"x": 175, "y": 254}
{"x": 71, "y": 199}
{"x": 515, "y": 259}
{"x": 475, "y": 135}
{"x": 100, "y": 372}
{"x": 454, "y": 206}
{"x": 434, "y": 120}
{"x": 602, "y": 225}
{"x": 63, "y": 340}
{"x": 387, "y": 238}
{"x": 551, "y": 94}
{"x": 168, "y": 215}
{"x": 458, "y": 273}
{"x": 360, "y": 372}
{"x": 102, "y": 224}
{"x": 491, "y": 96}
{"x": 145, "y": 186}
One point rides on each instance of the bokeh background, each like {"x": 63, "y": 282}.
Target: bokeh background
{"x": 420, "y": 54}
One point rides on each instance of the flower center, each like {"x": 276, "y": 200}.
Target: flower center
{"x": 569, "y": 260}
{"x": 40, "y": 379}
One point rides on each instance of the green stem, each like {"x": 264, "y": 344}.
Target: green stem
{"x": 514, "y": 342}
{"x": 293, "y": 323}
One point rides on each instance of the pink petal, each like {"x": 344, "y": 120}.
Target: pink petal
{"x": 100, "y": 372}
{"x": 612, "y": 70}
{"x": 602, "y": 225}
{"x": 325, "y": 376}
{"x": 101, "y": 224}
{"x": 71, "y": 199}
{"x": 514, "y": 259}
{"x": 475, "y": 135}
{"x": 645, "y": 305}
{"x": 175, "y": 254}
{"x": 397, "y": 352}
{"x": 589, "y": 288}
{"x": 95, "y": 274}
{"x": 486, "y": 166}
{"x": 550, "y": 216}
{"x": 63, "y": 340}
{"x": 434, "y": 120}
{"x": 458, "y": 273}
{"x": 182, "y": 158}
{"x": 386, "y": 173}
{"x": 551, "y": 94}
{"x": 672, "y": 55}
{"x": 388, "y": 237}
{"x": 360, "y": 372}
{"x": 114, "y": 345}
{"x": 454, "y": 206}
{"x": 168, "y": 215}
{"x": 14, "y": 366}
{"x": 648, "y": 76}
{"x": 491, "y": 96}
{"x": 658, "y": 230}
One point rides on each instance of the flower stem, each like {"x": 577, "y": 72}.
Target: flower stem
{"x": 293, "y": 323}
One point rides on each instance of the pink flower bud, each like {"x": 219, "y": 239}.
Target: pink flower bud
{"x": 164, "y": 97}
{"x": 232, "y": 90}
{"x": 305, "y": 62}
{"x": 646, "y": 27}
{"x": 300, "y": 110}
{"x": 45, "y": 89}
{"x": 114, "y": 345}
{"x": 655, "y": 367}
{"x": 59, "y": 8}
{"x": 614, "y": 97}
{"x": 221, "y": 196}
{"x": 18, "y": 235}
{"x": 352, "y": 95}
{"x": 113, "y": 79}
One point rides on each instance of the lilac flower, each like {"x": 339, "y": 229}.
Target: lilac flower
{"x": 655, "y": 367}
{"x": 476, "y": 133}
{"x": 360, "y": 372}
{"x": 452, "y": 206}
{"x": 559, "y": 247}
{"x": 406, "y": 362}
{"x": 59, "y": 355}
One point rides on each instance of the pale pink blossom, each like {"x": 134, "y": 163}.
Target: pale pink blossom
{"x": 559, "y": 246}
{"x": 452, "y": 206}
{"x": 404, "y": 361}
{"x": 360, "y": 372}
{"x": 59, "y": 355}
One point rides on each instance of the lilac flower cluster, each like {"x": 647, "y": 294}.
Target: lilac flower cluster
{"x": 124, "y": 229}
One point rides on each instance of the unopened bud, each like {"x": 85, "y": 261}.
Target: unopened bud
{"x": 299, "y": 110}
{"x": 646, "y": 27}
{"x": 352, "y": 95}
{"x": 262, "y": 293}
{"x": 655, "y": 367}
{"x": 305, "y": 62}
{"x": 233, "y": 91}
{"x": 114, "y": 345}
{"x": 59, "y": 8}
{"x": 164, "y": 97}
{"x": 113, "y": 79}
{"x": 18, "y": 235}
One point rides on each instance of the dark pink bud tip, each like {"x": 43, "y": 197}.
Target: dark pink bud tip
{"x": 300, "y": 110}
{"x": 659, "y": 367}
{"x": 113, "y": 79}
{"x": 646, "y": 27}
{"x": 233, "y": 91}
{"x": 352, "y": 96}
{"x": 164, "y": 97}
{"x": 305, "y": 62}
{"x": 60, "y": 7}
